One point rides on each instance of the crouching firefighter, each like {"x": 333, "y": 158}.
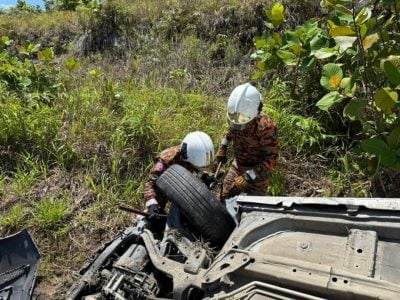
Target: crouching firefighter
{"x": 195, "y": 153}
{"x": 255, "y": 144}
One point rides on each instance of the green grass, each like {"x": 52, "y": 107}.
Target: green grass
{"x": 2, "y": 184}
{"x": 49, "y": 213}
{"x": 28, "y": 172}
{"x": 12, "y": 220}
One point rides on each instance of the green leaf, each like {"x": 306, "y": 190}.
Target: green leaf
{"x": 32, "y": 48}
{"x": 354, "y": 110}
{"x": 71, "y": 64}
{"x": 317, "y": 42}
{"x": 6, "y": 40}
{"x": 287, "y": 57}
{"x": 96, "y": 73}
{"x": 394, "y": 59}
{"x": 363, "y": 30}
{"x": 326, "y": 53}
{"x": 386, "y": 99}
{"x": 259, "y": 42}
{"x": 364, "y": 15}
{"x": 277, "y": 38}
{"x": 332, "y": 4}
{"x": 291, "y": 38}
{"x": 308, "y": 63}
{"x": 46, "y": 55}
{"x": 277, "y": 14}
{"x": 25, "y": 82}
{"x": 346, "y": 164}
{"x": 392, "y": 72}
{"x": 344, "y": 42}
{"x": 261, "y": 66}
{"x": 345, "y": 82}
{"x": 297, "y": 50}
{"x": 394, "y": 139}
{"x": 23, "y": 51}
{"x": 327, "y": 101}
{"x": 343, "y": 9}
{"x": 380, "y": 149}
{"x": 332, "y": 76}
{"x": 348, "y": 85}
{"x": 257, "y": 75}
{"x": 341, "y": 31}
{"x": 370, "y": 40}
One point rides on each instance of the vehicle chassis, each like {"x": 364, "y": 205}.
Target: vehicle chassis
{"x": 282, "y": 248}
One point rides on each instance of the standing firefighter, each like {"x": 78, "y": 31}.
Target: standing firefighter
{"x": 255, "y": 144}
{"x": 194, "y": 153}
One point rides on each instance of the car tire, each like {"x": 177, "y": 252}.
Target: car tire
{"x": 197, "y": 204}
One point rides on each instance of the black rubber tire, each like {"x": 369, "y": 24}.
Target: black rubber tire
{"x": 197, "y": 204}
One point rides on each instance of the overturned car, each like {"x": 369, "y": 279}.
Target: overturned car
{"x": 252, "y": 248}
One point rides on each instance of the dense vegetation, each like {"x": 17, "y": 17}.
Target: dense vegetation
{"x": 90, "y": 93}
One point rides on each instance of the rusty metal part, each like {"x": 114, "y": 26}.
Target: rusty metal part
{"x": 130, "y": 209}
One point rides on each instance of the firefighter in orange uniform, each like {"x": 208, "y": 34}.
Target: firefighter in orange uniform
{"x": 255, "y": 144}
{"x": 194, "y": 153}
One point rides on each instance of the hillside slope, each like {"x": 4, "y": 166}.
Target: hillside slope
{"x": 82, "y": 121}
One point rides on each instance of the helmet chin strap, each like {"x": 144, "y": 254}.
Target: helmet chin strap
{"x": 260, "y": 107}
{"x": 184, "y": 151}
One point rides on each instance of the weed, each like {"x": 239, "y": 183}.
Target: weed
{"x": 2, "y": 184}
{"x": 49, "y": 213}
{"x": 278, "y": 180}
{"x": 24, "y": 180}
{"x": 13, "y": 219}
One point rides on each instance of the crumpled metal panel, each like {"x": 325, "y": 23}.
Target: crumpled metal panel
{"x": 19, "y": 261}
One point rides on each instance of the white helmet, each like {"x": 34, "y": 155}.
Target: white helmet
{"x": 197, "y": 148}
{"x": 243, "y": 105}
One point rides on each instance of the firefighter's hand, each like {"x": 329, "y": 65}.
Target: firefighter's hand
{"x": 240, "y": 184}
{"x": 153, "y": 211}
{"x": 221, "y": 155}
{"x": 207, "y": 179}
{"x": 155, "y": 221}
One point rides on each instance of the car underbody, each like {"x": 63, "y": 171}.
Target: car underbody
{"x": 282, "y": 248}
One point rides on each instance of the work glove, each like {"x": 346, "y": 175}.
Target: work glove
{"x": 207, "y": 179}
{"x": 156, "y": 223}
{"x": 221, "y": 155}
{"x": 239, "y": 185}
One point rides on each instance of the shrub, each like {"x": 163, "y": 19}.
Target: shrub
{"x": 355, "y": 50}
